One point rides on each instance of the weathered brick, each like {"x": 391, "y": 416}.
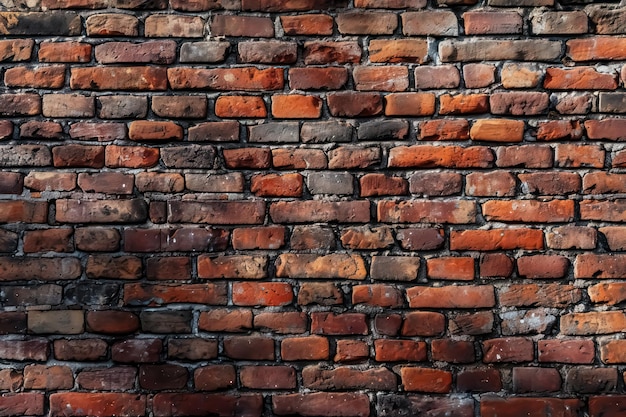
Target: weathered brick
{"x": 119, "y": 78}
{"x": 157, "y": 26}
{"x": 216, "y": 212}
{"x": 322, "y": 404}
{"x": 566, "y": 351}
{"x": 97, "y": 404}
{"x": 435, "y": 184}
{"x": 425, "y": 211}
{"x": 529, "y": 211}
{"x": 197, "y": 404}
{"x": 510, "y": 349}
{"x": 234, "y": 266}
{"x": 428, "y": 156}
{"x": 542, "y": 295}
{"x": 409, "y": 104}
{"x": 20, "y": 104}
{"x": 398, "y": 50}
{"x": 499, "y": 50}
{"x": 478, "y": 75}
{"x": 423, "y": 323}
{"x": 16, "y": 50}
{"x": 148, "y": 294}
{"x": 49, "y": 23}
{"x": 597, "y": 48}
{"x": 580, "y": 78}
{"x": 354, "y": 104}
{"x": 204, "y": 52}
{"x": 331, "y": 52}
{"x": 451, "y": 296}
{"x": 494, "y": 406}
{"x": 110, "y": 379}
{"x": 154, "y": 52}
{"x": 429, "y": 23}
{"x": 112, "y": 24}
{"x": 372, "y": 23}
{"x": 311, "y": 24}
{"x": 244, "y": 26}
{"x": 267, "y": 52}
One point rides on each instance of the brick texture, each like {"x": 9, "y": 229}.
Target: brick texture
{"x": 313, "y": 208}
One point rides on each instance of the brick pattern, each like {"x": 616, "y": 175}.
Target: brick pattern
{"x": 315, "y": 208}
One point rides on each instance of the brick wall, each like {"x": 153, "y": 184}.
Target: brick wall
{"x": 312, "y": 207}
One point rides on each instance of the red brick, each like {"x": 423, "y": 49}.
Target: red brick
{"x": 331, "y": 52}
{"x": 52, "y": 76}
{"x": 607, "y": 405}
{"x": 388, "y": 324}
{"x": 48, "y": 377}
{"x": 367, "y": 238}
{"x": 423, "y": 323}
{"x": 479, "y": 380}
{"x": 450, "y": 268}
{"x": 577, "y": 156}
{"x": 224, "y": 79}
{"x": 566, "y": 351}
{"x": 425, "y": 211}
{"x": 518, "y": 407}
{"x": 543, "y": 266}
{"x": 351, "y": 351}
{"x": 389, "y": 350}
{"x": 607, "y": 129}
{"x": 310, "y": 24}
{"x": 112, "y": 322}
{"x": 373, "y": 23}
{"x": 320, "y": 211}
{"x": 542, "y": 295}
{"x": 580, "y": 78}
{"x": 322, "y": 404}
{"x": 471, "y": 104}
{"x": 225, "y": 320}
{"x": 377, "y": 295}
{"x": 330, "y": 78}
{"x": 112, "y": 24}
{"x": 262, "y": 294}
{"x": 183, "y": 404}
{"x": 214, "y": 377}
{"x": 88, "y": 156}
{"x": 478, "y": 75}
{"x": 119, "y": 78}
{"x": 249, "y": 348}
{"x": 598, "y": 48}
{"x": 21, "y": 404}
{"x": 511, "y": 349}
{"x": 428, "y": 156}
{"x": 489, "y": 23}
{"x": 426, "y": 380}
{"x": 409, "y": 104}
{"x": 282, "y": 323}
{"x": 268, "y": 377}
{"x": 117, "y": 378}
{"x": 592, "y": 323}
{"x": 119, "y": 267}
{"x": 448, "y": 129}
{"x": 80, "y": 349}
{"x": 70, "y": 51}
{"x": 453, "y": 351}
{"x": 240, "y": 106}
{"x": 16, "y": 50}
{"x": 339, "y": 324}
{"x": 354, "y": 104}
{"x": 387, "y": 78}
{"x": 96, "y": 404}
{"x": 451, "y": 296}
{"x": 55, "y": 240}
{"x": 494, "y": 265}
{"x": 398, "y": 50}
{"x": 294, "y": 106}
{"x": 429, "y": 23}
{"x": 382, "y": 185}
{"x": 245, "y": 26}
{"x": 233, "y": 266}
{"x": 529, "y": 211}
{"x": 309, "y": 348}
{"x": 156, "y": 294}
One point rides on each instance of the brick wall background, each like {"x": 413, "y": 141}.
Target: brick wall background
{"x": 312, "y": 207}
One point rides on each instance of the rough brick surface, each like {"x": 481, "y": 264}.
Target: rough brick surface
{"x": 315, "y": 208}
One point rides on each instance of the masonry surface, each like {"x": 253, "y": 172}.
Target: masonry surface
{"x": 312, "y": 207}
